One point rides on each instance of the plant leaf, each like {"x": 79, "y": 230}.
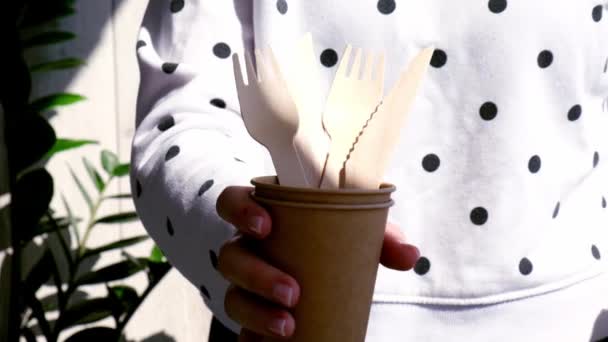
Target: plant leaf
{"x": 115, "y": 245}
{"x": 116, "y": 271}
{"x": 45, "y": 227}
{"x": 28, "y": 334}
{"x": 83, "y": 191}
{"x": 121, "y": 170}
{"x": 55, "y": 100}
{"x": 156, "y": 255}
{"x": 93, "y": 174}
{"x": 89, "y": 311}
{"x": 157, "y": 270}
{"x": 119, "y": 196}
{"x": 48, "y": 38}
{"x": 50, "y": 301}
{"x": 125, "y": 296}
{"x": 30, "y": 199}
{"x": 62, "y": 144}
{"x": 94, "y": 334}
{"x": 118, "y": 218}
{"x": 41, "y": 272}
{"x": 109, "y": 161}
{"x": 73, "y": 220}
{"x": 66, "y": 63}
{"x": 37, "y": 312}
{"x": 44, "y": 12}
{"x": 33, "y": 138}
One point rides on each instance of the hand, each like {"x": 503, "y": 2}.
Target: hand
{"x": 259, "y": 292}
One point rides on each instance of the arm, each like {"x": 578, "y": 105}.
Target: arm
{"x": 190, "y": 142}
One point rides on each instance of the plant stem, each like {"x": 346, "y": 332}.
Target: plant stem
{"x": 64, "y": 245}
{"x": 91, "y": 223}
{"x": 38, "y": 312}
{"x": 78, "y": 258}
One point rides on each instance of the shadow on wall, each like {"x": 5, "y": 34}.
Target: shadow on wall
{"x": 160, "y": 336}
{"x": 89, "y": 24}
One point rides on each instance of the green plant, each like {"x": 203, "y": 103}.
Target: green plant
{"x": 31, "y": 141}
{"x": 120, "y": 301}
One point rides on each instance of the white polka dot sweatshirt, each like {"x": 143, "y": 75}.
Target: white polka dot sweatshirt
{"x": 500, "y": 171}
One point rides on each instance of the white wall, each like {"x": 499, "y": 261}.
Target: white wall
{"x": 106, "y": 40}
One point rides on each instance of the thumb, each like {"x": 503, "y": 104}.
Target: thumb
{"x": 396, "y": 253}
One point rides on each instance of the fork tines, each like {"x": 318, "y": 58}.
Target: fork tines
{"x": 355, "y": 70}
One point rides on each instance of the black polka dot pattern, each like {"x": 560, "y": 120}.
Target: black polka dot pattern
{"x": 497, "y": 6}
{"x": 596, "y": 159}
{"x": 431, "y": 162}
{"x": 172, "y": 152}
{"x": 213, "y": 258}
{"x": 556, "y": 210}
{"x": 597, "y": 13}
{"x": 221, "y": 50}
{"x": 604, "y": 202}
{"x": 177, "y": 5}
{"x": 169, "y": 227}
{"x": 140, "y": 44}
{"x": 386, "y": 6}
{"x": 575, "y": 113}
{"x": 204, "y": 291}
{"x": 479, "y": 216}
{"x": 329, "y": 58}
{"x": 166, "y": 123}
{"x": 169, "y": 68}
{"x": 138, "y": 189}
{"x": 525, "y": 266}
{"x": 595, "y": 252}
{"x": 205, "y": 187}
{"x": 239, "y": 160}
{"x": 439, "y": 59}
{"x": 545, "y": 59}
{"x": 488, "y": 111}
{"x": 282, "y": 6}
{"x": 534, "y": 164}
{"x": 422, "y": 266}
{"x": 218, "y": 103}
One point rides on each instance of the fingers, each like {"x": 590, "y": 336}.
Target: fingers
{"x": 257, "y": 315}
{"x": 396, "y": 253}
{"x": 236, "y": 207}
{"x": 246, "y": 270}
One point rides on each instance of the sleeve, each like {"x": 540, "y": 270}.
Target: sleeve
{"x": 190, "y": 141}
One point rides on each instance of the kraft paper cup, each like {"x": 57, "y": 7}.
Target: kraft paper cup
{"x": 330, "y": 241}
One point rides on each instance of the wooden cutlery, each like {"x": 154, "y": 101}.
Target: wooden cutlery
{"x": 371, "y": 153}
{"x": 270, "y": 114}
{"x": 352, "y": 99}
{"x": 346, "y": 144}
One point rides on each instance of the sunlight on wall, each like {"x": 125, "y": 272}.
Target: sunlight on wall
{"x": 106, "y": 41}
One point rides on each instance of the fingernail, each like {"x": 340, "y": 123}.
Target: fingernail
{"x": 283, "y": 293}
{"x": 278, "y": 326}
{"x": 413, "y": 250}
{"x": 256, "y": 224}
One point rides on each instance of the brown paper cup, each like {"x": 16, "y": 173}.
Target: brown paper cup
{"x": 330, "y": 242}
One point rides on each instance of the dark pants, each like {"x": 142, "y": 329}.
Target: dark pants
{"x": 219, "y": 333}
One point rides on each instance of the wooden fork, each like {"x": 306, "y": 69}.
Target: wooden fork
{"x": 350, "y": 103}
{"x": 270, "y": 114}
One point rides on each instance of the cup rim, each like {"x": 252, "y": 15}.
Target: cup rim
{"x": 323, "y": 206}
{"x": 270, "y": 182}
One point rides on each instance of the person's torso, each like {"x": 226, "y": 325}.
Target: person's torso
{"x": 501, "y": 170}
